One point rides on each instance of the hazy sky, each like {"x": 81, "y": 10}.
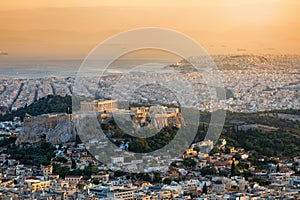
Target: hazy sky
{"x": 71, "y": 28}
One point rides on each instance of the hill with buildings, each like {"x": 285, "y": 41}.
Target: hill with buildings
{"x": 269, "y": 133}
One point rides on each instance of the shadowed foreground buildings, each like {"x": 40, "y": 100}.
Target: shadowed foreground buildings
{"x": 178, "y": 181}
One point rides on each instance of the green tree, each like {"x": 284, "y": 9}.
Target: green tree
{"x": 73, "y": 166}
{"x": 223, "y": 173}
{"x": 61, "y": 171}
{"x": 237, "y": 156}
{"x": 204, "y": 189}
{"x": 233, "y": 170}
{"x": 167, "y": 181}
{"x": 189, "y": 162}
{"x": 119, "y": 173}
{"x": 208, "y": 171}
{"x": 96, "y": 182}
{"x": 196, "y": 148}
{"x": 214, "y": 151}
{"x": 139, "y": 145}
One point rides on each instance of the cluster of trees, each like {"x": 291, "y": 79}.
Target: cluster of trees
{"x": 288, "y": 111}
{"x": 7, "y": 140}
{"x": 189, "y": 162}
{"x": 139, "y": 145}
{"x": 154, "y": 177}
{"x": 208, "y": 171}
{"x": 282, "y": 142}
{"x": 275, "y": 143}
{"x": 269, "y": 118}
{"x": 161, "y": 139}
{"x": 63, "y": 171}
{"x": 45, "y": 105}
{"x": 32, "y": 154}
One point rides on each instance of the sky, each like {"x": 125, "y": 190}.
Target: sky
{"x": 70, "y": 29}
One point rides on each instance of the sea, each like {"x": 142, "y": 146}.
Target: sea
{"x": 31, "y": 69}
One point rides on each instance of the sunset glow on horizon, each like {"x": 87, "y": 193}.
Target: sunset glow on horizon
{"x": 72, "y": 28}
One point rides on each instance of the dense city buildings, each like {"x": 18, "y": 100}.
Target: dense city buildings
{"x": 179, "y": 181}
{"x": 253, "y": 84}
{"x": 42, "y": 158}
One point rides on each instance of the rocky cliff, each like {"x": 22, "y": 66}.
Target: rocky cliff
{"x": 53, "y": 128}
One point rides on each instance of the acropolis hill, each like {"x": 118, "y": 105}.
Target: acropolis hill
{"x": 151, "y": 116}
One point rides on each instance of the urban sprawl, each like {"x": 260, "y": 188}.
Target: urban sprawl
{"x": 252, "y": 83}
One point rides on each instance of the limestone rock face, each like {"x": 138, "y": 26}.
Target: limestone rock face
{"x": 53, "y": 128}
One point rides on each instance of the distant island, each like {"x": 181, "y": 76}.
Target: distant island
{"x": 3, "y": 53}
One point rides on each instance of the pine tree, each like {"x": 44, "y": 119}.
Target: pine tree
{"x": 232, "y": 168}
{"x": 73, "y": 165}
{"x": 204, "y": 189}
